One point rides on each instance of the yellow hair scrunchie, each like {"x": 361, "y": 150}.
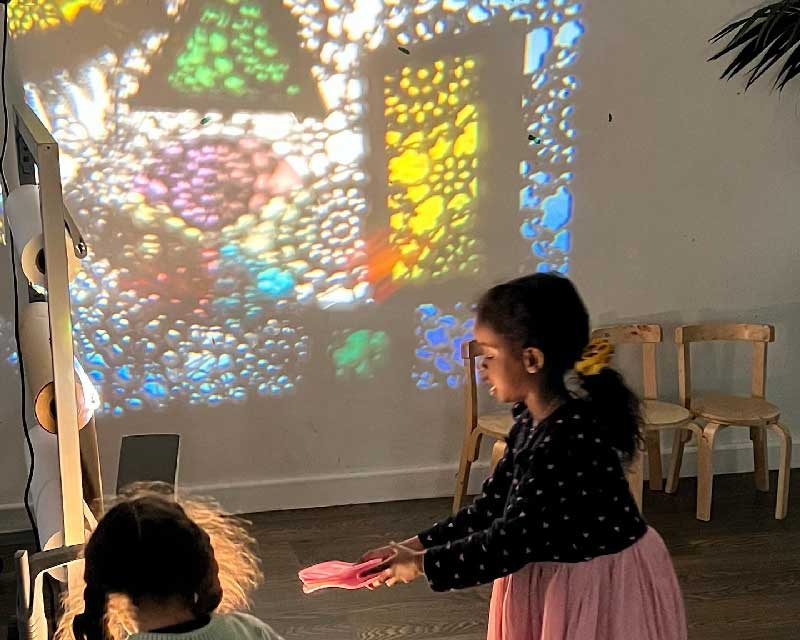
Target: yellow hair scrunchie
{"x": 596, "y": 357}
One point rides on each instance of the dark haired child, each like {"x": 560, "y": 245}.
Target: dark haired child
{"x": 147, "y": 549}
{"x": 555, "y": 527}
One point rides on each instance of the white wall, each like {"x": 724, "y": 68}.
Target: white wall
{"x": 688, "y": 197}
{"x": 685, "y": 211}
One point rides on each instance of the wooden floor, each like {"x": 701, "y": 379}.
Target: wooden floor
{"x": 740, "y": 572}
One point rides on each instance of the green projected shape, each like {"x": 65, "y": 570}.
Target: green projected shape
{"x": 361, "y": 354}
{"x": 231, "y": 51}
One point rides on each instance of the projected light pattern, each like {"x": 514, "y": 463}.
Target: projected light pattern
{"x": 439, "y": 339}
{"x": 29, "y": 15}
{"x": 213, "y": 183}
{"x": 230, "y": 51}
{"x": 8, "y": 350}
{"x": 432, "y": 145}
{"x": 360, "y": 354}
{"x": 190, "y": 362}
{"x": 270, "y": 218}
{"x": 546, "y": 200}
{"x": 551, "y": 49}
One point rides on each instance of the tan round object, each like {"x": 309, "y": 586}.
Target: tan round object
{"x": 735, "y": 410}
{"x": 45, "y": 407}
{"x": 33, "y": 265}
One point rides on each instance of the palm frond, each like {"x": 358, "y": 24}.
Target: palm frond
{"x": 790, "y": 69}
{"x": 769, "y": 35}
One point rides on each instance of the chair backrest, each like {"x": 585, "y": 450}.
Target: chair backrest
{"x": 151, "y": 457}
{"x": 647, "y": 335}
{"x": 758, "y": 334}
{"x": 470, "y": 351}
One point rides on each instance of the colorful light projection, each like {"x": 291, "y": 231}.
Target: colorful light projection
{"x": 432, "y": 150}
{"x": 233, "y": 52}
{"x": 32, "y": 15}
{"x": 174, "y": 301}
{"x": 230, "y": 51}
{"x": 439, "y": 338}
{"x": 205, "y": 222}
{"x": 360, "y": 354}
{"x": 8, "y": 350}
{"x": 546, "y": 201}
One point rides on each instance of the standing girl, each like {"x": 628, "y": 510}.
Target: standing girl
{"x": 555, "y": 527}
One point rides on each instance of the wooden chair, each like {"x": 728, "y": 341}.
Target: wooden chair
{"x": 721, "y": 411}
{"x": 657, "y": 415}
{"x": 494, "y": 425}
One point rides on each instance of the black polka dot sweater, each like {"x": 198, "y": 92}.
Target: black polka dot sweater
{"x": 558, "y": 495}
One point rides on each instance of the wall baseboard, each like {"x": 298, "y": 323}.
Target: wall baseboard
{"x": 386, "y": 485}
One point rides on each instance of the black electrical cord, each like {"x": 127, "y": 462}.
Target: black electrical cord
{"x": 23, "y": 403}
{"x": 53, "y": 600}
{"x": 26, "y": 498}
{"x": 5, "y": 104}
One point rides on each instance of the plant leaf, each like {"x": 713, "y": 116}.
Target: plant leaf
{"x": 790, "y": 69}
{"x": 745, "y": 23}
{"x": 780, "y": 47}
{"x": 762, "y": 40}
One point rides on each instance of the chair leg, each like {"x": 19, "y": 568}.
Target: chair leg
{"x": 498, "y": 451}
{"x": 468, "y": 454}
{"x": 656, "y": 474}
{"x": 679, "y": 440}
{"x": 705, "y": 471}
{"x": 784, "y": 469}
{"x": 636, "y": 478}
{"x": 760, "y": 462}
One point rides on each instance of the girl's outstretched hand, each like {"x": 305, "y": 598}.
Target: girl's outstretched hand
{"x": 404, "y": 565}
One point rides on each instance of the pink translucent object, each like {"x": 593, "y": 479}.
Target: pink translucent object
{"x": 342, "y": 575}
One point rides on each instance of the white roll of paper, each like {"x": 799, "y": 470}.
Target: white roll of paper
{"x": 22, "y": 212}
{"x": 25, "y": 219}
{"x": 33, "y": 265}
{"x": 38, "y": 361}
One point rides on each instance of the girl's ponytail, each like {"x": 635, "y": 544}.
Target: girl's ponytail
{"x": 91, "y": 625}
{"x": 618, "y": 410}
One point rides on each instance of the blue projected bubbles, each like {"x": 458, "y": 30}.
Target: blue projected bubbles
{"x": 8, "y": 351}
{"x": 275, "y": 282}
{"x": 546, "y": 201}
{"x": 537, "y": 44}
{"x": 477, "y": 14}
{"x": 562, "y": 241}
{"x": 557, "y": 209}
{"x": 440, "y": 335}
{"x": 569, "y": 33}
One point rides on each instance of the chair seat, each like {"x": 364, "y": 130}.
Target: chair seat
{"x": 734, "y": 410}
{"x": 496, "y": 425}
{"x": 660, "y": 414}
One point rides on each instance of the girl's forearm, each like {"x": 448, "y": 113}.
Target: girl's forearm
{"x": 414, "y": 543}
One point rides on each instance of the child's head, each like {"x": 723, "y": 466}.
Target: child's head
{"x": 148, "y": 548}
{"x": 533, "y": 331}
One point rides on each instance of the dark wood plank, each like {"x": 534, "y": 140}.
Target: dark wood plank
{"x": 740, "y": 572}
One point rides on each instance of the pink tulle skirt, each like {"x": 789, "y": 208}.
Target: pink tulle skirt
{"x": 630, "y": 595}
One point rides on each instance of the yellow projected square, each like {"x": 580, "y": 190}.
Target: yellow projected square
{"x": 433, "y": 123}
